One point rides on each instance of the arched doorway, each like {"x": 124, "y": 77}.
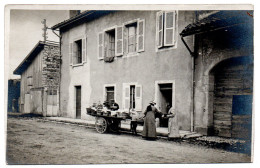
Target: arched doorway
{"x": 232, "y": 98}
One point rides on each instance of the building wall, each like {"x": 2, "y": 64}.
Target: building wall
{"x": 13, "y": 93}
{"x": 214, "y": 48}
{"x": 144, "y": 69}
{"x": 33, "y": 71}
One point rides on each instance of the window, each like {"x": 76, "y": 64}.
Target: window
{"x": 134, "y": 36}
{"x": 132, "y": 97}
{"x": 131, "y": 39}
{"x": 78, "y": 51}
{"x": 122, "y": 39}
{"x": 165, "y": 29}
{"x": 110, "y": 93}
{"x": 51, "y": 92}
{"x": 109, "y": 43}
{"x": 78, "y": 48}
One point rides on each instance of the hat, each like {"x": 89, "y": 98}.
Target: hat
{"x": 152, "y": 102}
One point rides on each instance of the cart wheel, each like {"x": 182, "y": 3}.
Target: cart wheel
{"x": 101, "y": 125}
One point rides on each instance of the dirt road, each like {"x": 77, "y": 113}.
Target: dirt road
{"x": 36, "y": 141}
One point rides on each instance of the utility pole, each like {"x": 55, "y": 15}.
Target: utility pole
{"x": 44, "y": 34}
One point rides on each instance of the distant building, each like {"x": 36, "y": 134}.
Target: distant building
{"x": 13, "y": 95}
{"x": 40, "y": 80}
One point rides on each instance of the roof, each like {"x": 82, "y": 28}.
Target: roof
{"x": 85, "y": 16}
{"x": 31, "y": 56}
{"x": 219, "y": 20}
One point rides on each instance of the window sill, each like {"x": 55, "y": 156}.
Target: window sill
{"x": 77, "y": 65}
{"x": 166, "y": 48}
{"x": 134, "y": 54}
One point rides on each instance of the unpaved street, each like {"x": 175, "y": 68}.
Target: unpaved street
{"x": 36, "y": 141}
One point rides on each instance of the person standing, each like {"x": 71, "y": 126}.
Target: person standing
{"x": 149, "y": 128}
{"x": 173, "y": 127}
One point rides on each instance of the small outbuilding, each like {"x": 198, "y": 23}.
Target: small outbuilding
{"x": 40, "y": 80}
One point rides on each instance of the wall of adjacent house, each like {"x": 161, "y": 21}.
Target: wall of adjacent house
{"x": 31, "y": 78}
{"x": 144, "y": 68}
{"x": 213, "y": 49}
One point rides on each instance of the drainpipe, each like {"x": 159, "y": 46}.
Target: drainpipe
{"x": 192, "y": 81}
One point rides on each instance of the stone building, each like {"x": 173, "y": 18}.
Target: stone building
{"x": 40, "y": 80}
{"x": 223, "y": 75}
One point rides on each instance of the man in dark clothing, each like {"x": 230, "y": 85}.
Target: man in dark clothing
{"x": 114, "y": 106}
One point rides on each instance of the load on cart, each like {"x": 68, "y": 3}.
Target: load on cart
{"x": 109, "y": 116}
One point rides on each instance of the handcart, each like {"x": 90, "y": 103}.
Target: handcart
{"x": 105, "y": 123}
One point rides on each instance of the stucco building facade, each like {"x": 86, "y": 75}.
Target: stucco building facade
{"x": 126, "y": 54}
{"x": 199, "y": 62}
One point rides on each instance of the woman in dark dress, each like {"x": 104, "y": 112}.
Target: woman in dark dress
{"x": 149, "y": 128}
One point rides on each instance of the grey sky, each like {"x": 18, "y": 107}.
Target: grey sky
{"x": 26, "y": 31}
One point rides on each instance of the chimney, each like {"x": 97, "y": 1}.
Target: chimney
{"x": 74, "y": 13}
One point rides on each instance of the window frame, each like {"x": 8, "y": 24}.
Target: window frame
{"x": 165, "y": 47}
{"x": 126, "y": 53}
{"x": 103, "y": 41}
{"x": 107, "y": 32}
{"x": 137, "y": 52}
{"x": 105, "y": 91}
{"x": 83, "y": 51}
{"x": 138, "y": 100}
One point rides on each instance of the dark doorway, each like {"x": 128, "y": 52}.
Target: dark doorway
{"x": 110, "y": 93}
{"x": 165, "y": 101}
{"x": 78, "y": 102}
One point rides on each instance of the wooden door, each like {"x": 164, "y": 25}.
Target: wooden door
{"x": 78, "y": 102}
{"x": 27, "y": 103}
{"x": 232, "y": 99}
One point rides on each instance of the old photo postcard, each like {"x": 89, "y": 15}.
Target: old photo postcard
{"x": 129, "y": 84}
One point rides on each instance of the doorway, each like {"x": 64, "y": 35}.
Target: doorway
{"x": 78, "y": 102}
{"x": 165, "y": 101}
{"x": 233, "y": 91}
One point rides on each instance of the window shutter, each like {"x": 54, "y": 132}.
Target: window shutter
{"x": 125, "y": 37}
{"x": 84, "y": 49}
{"x": 159, "y": 29}
{"x": 100, "y": 46}
{"x": 119, "y": 41}
{"x": 71, "y": 53}
{"x": 74, "y": 53}
{"x": 126, "y": 97}
{"x": 105, "y": 45}
{"x": 169, "y": 28}
{"x": 140, "y": 35}
{"x": 138, "y": 98}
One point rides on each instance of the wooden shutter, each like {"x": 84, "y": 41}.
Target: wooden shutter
{"x": 140, "y": 35}
{"x": 159, "y": 29}
{"x": 71, "y": 53}
{"x": 138, "y": 98}
{"x": 126, "y": 97}
{"x": 119, "y": 41}
{"x": 74, "y": 53}
{"x": 84, "y": 50}
{"x": 125, "y": 37}
{"x": 169, "y": 28}
{"x": 100, "y": 46}
{"x": 105, "y": 45}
